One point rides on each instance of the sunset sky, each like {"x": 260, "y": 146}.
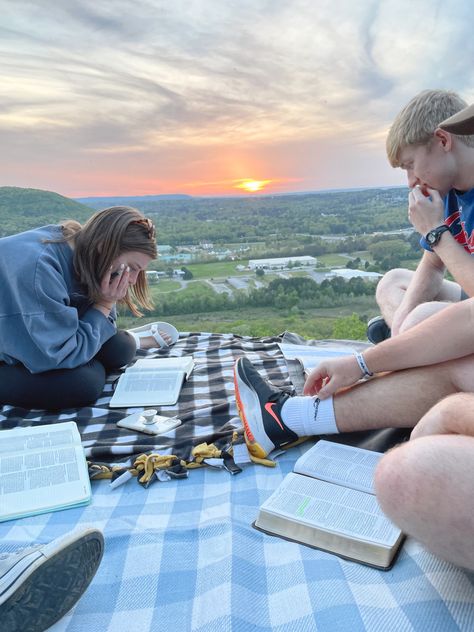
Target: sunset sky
{"x": 122, "y": 97}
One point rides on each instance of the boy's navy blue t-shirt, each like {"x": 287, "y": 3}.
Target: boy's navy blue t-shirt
{"x": 459, "y": 217}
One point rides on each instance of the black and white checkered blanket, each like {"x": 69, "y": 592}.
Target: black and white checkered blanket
{"x": 206, "y": 405}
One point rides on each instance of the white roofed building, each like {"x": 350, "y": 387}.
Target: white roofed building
{"x": 282, "y": 263}
{"x": 349, "y": 273}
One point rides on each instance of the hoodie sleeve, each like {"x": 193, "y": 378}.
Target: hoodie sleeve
{"x": 47, "y": 333}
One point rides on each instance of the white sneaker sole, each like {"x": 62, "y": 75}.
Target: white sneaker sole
{"x": 258, "y": 443}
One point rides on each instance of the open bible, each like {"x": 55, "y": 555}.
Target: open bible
{"x": 152, "y": 382}
{"x": 309, "y": 357}
{"x": 42, "y": 468}
{"x": 329, "y": 502}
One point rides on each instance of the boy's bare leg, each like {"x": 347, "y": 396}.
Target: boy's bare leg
{"x": 425, "y": 485}
{"x": 452, "y": 415}
{"x": 390, "y": 291}
{"x": 423, "y": 311}
{"x": 393, "y": 286}
{"x": 400, "y": 399}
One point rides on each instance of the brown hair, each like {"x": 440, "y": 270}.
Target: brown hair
{"x": 419, "y": 119}
{"x": 103, "y": 238}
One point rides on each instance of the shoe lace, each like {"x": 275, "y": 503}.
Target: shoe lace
{"x": 281, "y": 392}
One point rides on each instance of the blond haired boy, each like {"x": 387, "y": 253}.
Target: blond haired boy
{"x": 440, "y": 171}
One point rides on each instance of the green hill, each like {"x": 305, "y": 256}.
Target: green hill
{"x": 21, "y": 209}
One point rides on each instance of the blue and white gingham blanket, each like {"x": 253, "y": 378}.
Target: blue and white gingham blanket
{"x": 182, "y": 555}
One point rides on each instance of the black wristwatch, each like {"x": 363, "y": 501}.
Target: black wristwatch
{"x": 433, "y": 236}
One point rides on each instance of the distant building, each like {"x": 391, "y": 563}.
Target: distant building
{"x": 222, "y": 254}
{"x": 348, "y": 273}
{"x": 281, "y": 263}
{"x": 153, "y": 276}
{"x": 181, "y": 257}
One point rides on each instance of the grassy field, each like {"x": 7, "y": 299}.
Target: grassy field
{"x": 193, "y": 288}
{"x": 362, "y": 254}
{"x": 411, "y": 264}
{"x": 217, "y": 269}
{"x": 332, "y": 260}
{"x": 165, "y": 285}
{"x": 314, "y": 323}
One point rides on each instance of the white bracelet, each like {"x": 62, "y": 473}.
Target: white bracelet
{"x": 362, "y": 365}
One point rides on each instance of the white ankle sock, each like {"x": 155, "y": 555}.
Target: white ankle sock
{"x": 309, "y": 416}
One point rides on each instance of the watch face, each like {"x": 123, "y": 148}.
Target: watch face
{"x": 434, "y": 235}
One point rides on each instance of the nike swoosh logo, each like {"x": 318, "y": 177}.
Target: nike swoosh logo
{"x": 270, "y": 411}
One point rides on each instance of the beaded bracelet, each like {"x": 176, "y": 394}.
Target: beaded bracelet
{"x": 362, "y": 365}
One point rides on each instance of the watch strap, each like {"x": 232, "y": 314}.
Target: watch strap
{"x": 436, "y": 233}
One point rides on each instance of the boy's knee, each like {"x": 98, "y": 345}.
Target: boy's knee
{"x": 451, "y": 415}
{"x": 421, "y": 312}
{"x": 393, "y": 279}
{"x": 397, "y": 481}
{"x": 425, "y": 488}
{"x": 387, "y": 481}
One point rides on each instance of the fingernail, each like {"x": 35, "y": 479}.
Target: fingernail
{"x": 128, "y": 269}
{"x": 122, "y": 266}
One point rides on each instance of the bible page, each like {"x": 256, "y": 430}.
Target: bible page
{"x": 342, "y": 464}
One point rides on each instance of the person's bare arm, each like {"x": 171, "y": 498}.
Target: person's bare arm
{"x": 426, "y": 213}
{"x": 458, "y": 261}
{"x": 447, "y": 335}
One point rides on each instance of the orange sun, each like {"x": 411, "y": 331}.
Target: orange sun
{"x": 252, "y": 186}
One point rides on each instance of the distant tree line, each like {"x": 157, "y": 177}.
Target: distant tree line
{"x": 286, "y": 294}
{"x": 278, "y": 221}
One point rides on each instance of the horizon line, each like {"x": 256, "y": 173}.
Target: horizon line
{"x": 241, "y": 196}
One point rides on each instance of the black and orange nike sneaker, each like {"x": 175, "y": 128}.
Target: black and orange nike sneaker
{"x": 259, "y": 405}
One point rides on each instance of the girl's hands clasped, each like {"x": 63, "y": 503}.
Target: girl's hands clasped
{"x": 331, "y": 375}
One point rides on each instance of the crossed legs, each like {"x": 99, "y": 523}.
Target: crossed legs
{"x": 392, "y": 289}
{"x": 65, "y": 388}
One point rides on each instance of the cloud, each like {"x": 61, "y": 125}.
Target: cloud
{"x": 94, "y": 78}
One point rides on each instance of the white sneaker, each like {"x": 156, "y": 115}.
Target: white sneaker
{"x": 38, "y": 585}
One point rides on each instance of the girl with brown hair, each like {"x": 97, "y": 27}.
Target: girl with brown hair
{"x": 60, "y": 286}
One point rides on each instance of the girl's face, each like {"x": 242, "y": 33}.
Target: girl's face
{"x": 135, "y": 261}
